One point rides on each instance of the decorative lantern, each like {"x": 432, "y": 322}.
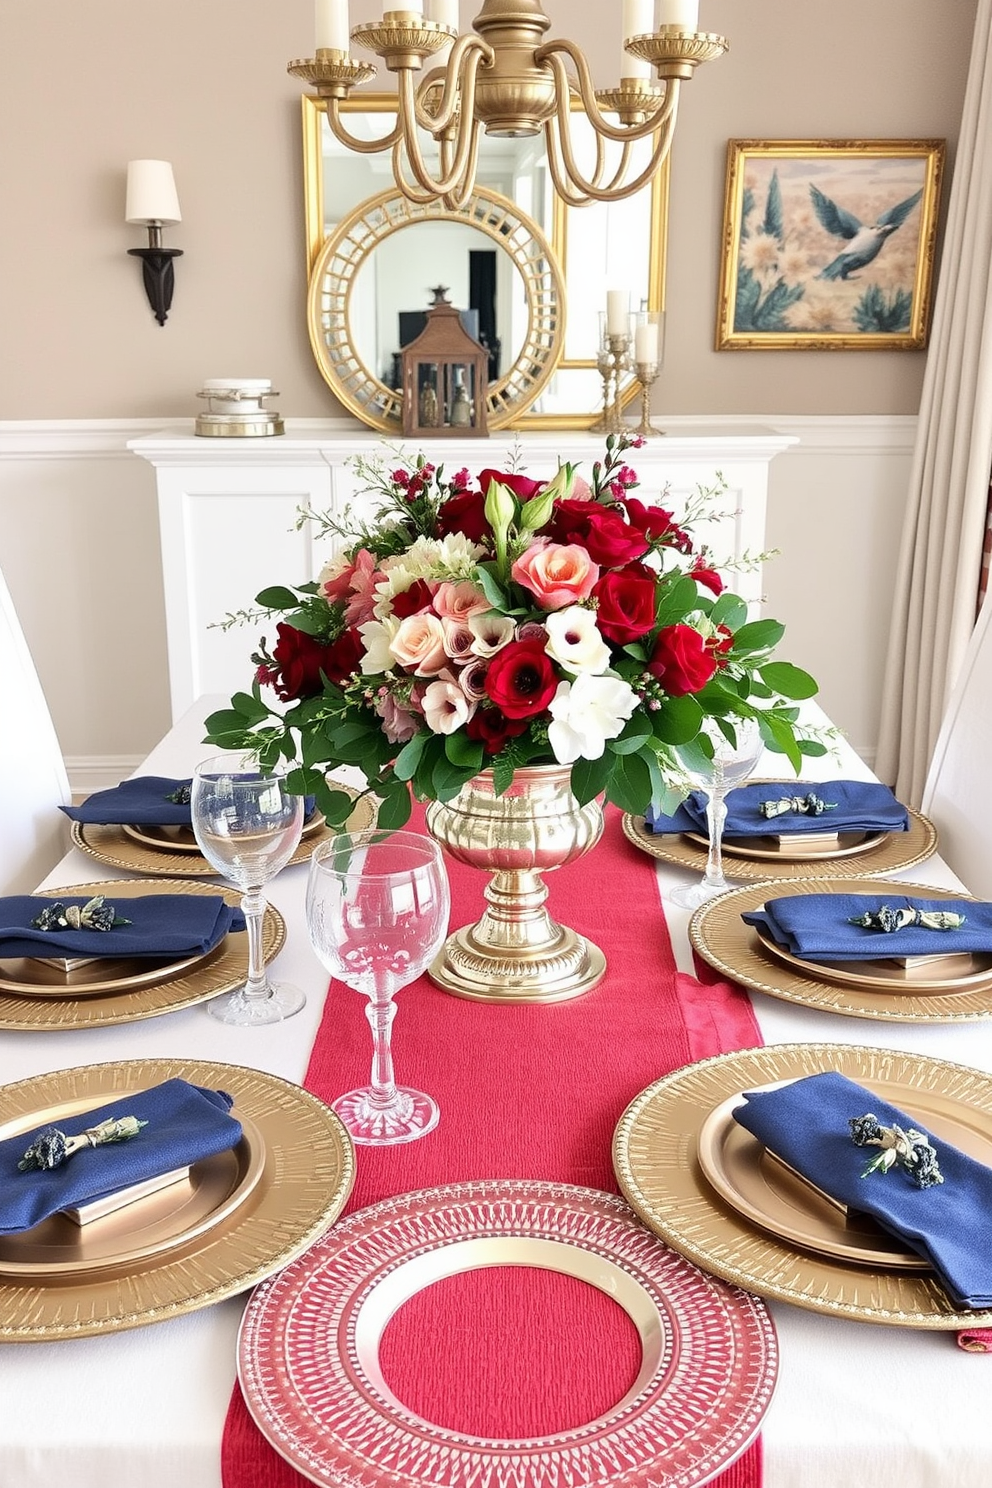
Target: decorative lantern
{"x": 444, "y": 376}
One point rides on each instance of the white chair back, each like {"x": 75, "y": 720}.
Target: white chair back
{"x": 33, "y": 782}
{"x": 958, "y": 793}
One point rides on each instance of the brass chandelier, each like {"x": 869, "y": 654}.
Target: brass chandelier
{"x": 503, "y": 77}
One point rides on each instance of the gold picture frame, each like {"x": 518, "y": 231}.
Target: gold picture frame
{"x": 828, "y": 244}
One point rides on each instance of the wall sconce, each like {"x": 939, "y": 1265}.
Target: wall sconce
{"x": 152, "y": 201}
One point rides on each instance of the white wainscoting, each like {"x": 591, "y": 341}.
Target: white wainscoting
{"x": 81, "y": 551}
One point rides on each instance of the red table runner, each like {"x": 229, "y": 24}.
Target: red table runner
{"x": 525, "y": 1092}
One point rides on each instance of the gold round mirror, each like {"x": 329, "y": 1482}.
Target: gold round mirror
{"x": 603, "y": 245}
{"x": 371, "y": 285}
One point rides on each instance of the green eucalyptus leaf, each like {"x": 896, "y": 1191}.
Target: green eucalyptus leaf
{"x": 588, "y": 778}
{"x": 460, "y": 750}
{"x": 788, "y": 680}
{"x": 636, "y": 732}
{"x": 408, "y": 758}
{"x": 676, "y": 600}
{"x": 278, "y": 597}
{"x": 394, "y": 810}
{"x": 630, "y": 783}
{"x": 677, "y": 720}
{"x": 760, "y": 635}
{"x": 812, "y": 748}
{"x": 729, "y": 610}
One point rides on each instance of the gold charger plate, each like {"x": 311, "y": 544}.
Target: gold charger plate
{"x": 177, "y": 986}
{"x": 307, "y": 1174}
{"x": 737, "y": 950}
{"x": 656, "y": 1160}
{"x": 112, "y": 844}
{"x": 893, "y": 850}
{"x": 182, "y": 839}
{"x": 849, "y": 844}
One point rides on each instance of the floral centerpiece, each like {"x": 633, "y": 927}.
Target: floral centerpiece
{"x": 499, "y": 622}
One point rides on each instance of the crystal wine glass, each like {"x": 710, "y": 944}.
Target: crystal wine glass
{"x": 731, "y": 763}
{"x": 248, "y": 824}
{"x": 377, "y": 913}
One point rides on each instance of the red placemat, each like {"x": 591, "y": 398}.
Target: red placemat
{"x": 525, "y": 1092}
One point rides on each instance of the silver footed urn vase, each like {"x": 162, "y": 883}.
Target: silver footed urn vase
{"x": 517, "y": 952}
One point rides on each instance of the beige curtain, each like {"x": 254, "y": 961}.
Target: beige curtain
{"x": 941, "y": 555}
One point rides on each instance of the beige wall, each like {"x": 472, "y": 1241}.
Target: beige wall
{"x": 86, "y": 85}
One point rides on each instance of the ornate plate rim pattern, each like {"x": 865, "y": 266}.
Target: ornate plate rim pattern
{"x": 111, "y": 844}
{"x": 655, "y": 1160}
{"x": 328, "y": 1293}
{"x": 718, "y": 933}
{"x": 901, "y": 850}
{"x": 204, "y": 979}
{"x": 286, "y": 1212}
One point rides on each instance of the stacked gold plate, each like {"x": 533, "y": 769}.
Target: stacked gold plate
{"x": 238, "y": 1218}
{"x": 167, "y": 851}
{"x": 713, "y": 1193}
{"x": 855, "y": 855}
{"x": 110, "y": 990}
{"x": 956, "y": 990}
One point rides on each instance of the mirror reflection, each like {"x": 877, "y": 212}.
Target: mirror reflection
{"x": 618, "y": 244}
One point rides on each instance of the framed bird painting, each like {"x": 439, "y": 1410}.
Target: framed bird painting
{"x": 828, "y": 244}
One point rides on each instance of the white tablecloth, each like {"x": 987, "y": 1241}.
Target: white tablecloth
{"x": 855, "y": 1405}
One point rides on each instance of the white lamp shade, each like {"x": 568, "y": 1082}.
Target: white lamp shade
{"x": 151, "y": 192}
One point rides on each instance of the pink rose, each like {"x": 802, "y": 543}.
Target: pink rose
{"x": 418, "y": 645}
{"x": 556, "y": 574}
{"x": 460, "y": 601}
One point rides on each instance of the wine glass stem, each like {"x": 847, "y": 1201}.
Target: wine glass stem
{"x": 380, "y": 1011}
{"x": 256, "y": 988}
{"x": 716, "y": 815}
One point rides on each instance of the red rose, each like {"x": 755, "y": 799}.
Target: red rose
{"x": 301, "y": 658}
{"x": 708, "y": 577}
{"x": 418, "y": 597}
{"x": 466, "y": 513}
{"x": 653, "y": 521}
{"x": 601, "y": 530}
{"x": 521, "y": 485}
{"x": 521, "y": 679}
{"x": 493, "y": 728}
{"x": 681, "y": 660}
{"x": 722, "y": 642}
{"x": 626, "y": 603}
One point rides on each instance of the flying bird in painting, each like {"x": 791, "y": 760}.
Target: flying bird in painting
{"x": 864, "y": 241}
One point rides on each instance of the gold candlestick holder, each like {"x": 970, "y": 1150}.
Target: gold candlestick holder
{"x": 646, "y": 374}
{"x": 619, "y": 347}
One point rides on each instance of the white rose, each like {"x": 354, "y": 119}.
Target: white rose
{"x": 377, "y": 636}
{"x": 586, "y": 713}
{"x": 574, "y": 640}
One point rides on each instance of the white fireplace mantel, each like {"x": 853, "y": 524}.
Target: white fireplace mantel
{"x": 229, "y": 508}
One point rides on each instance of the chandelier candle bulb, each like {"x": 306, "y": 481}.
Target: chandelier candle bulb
{"x": 638, "y": 20}
{"x": 681, "y": 13}
{"x": 443, "y": 11}
{"x": 618, "y": 312}
{"x": 331, "y": 27}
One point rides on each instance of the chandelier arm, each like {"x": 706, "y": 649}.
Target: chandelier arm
{"x": 467, "y": 55}
{"x": 620, "y": 132}
{"x": 362, "y": 147}
{"x": 452, "y": 180}
{"x": 455, "y": 200}
{"x": 568, "y": 182}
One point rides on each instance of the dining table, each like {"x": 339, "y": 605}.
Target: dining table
{"x": 855, "y": 1403}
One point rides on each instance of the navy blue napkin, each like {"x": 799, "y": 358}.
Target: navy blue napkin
{"x": 139, "y": 802}
{"x": 859, "y": 806}
{"x": 806, "y": 1124}
{"x": 815, "y": 927}
{"x": 186, "y": 1123}
{"x": 161, "y": 925}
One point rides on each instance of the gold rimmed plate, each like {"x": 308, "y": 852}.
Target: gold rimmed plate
{"x": 808, "y": 849}
{"x": 307, "y": 1170}
{"x": 145, "y": 993}
{"x": 954, "y": 973}
{"x": 885, "y": 852}
{"x": 182, "y": 839}
{"x": 738, "y": 951}
{"x": 656, "y": 1157}
{"x": 114, "y": 845}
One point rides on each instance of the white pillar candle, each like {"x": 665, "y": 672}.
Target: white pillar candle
{"x": 618, "y": 312}
{"x": 681, "y": 13}
{"x": 638, "y": 20}
{"x": 445, "y": 11}
{"x": 416, "y": 6}
{"x": 331, "y": 25}
{"x": 151, "y": 192}
{"x": 646, "y": 342}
